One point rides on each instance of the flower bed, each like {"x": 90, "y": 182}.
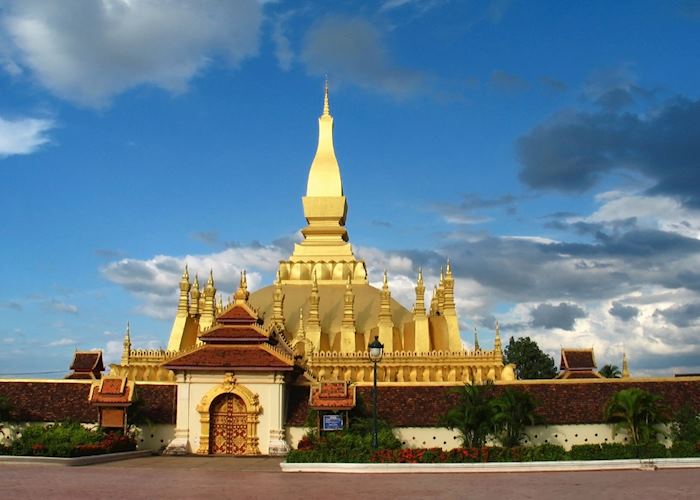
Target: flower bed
{"x": 67, "y": 439}
{"x": 543, "y": 453}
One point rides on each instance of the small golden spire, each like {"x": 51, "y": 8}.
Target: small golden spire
{"x": 210, "y": 281}
{"x": 625, "y": 366}
{"x": 301, "y": 333}
{"x": 420, "y": 276}
{"x": 497, "y": 341}
{"x": 244, "y": 281}
{"x": 186, "y": 274}
{"x": 326, "y": 106}
{"x": 448, "y": 271}
{"x": 476, "y": 340}
{"x": 126, "y": 346}
{"x": 385, "y": 285}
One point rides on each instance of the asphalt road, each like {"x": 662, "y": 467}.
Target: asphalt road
{"x": 213, "y": 478}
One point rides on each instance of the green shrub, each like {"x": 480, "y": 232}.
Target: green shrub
{"x": 57, "y": 440}
{"x": 545, "y": 453}
{"x": 686, "y": 425}
{"x": 683, "y": 449}
{"x": 585, "y": 452}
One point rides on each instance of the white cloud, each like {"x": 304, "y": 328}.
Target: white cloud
{"x": 23, "y": 136}
{"x": 88, "y": 52}
{"x": 62, "y": 342}
{"x": 57, "y": 305}
{"x": 155, "y": 281}
{"x": 652, "y": 212}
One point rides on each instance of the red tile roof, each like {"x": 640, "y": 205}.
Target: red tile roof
{"x": 235, "y": 333}
{"x": 222, "y": 357}
{"x": 332, "y": 396}
{"x": 90, "y": 361}
{"x": 238, "y": 313}
{"x": 112, "y": 391}
{"x": 577, "y": 359}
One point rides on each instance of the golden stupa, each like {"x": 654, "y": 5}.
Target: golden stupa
{"x": 322, "y": 309}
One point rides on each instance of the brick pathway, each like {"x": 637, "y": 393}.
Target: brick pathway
{"x": 212, "y": 478}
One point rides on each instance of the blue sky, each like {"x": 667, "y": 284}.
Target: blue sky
{"x": 549, "y": 148}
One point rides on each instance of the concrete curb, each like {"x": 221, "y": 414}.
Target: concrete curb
{"x": 94, "y": 459}
{"x": 569, "y": 466}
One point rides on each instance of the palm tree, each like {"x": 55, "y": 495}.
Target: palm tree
{"x": 472, "y": 416}
{"x": 637, "y": 412}
{"x": 610, "y": 371}
{"x": 513, "y": 411}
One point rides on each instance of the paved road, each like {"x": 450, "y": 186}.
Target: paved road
{"x": 213, "y": 478}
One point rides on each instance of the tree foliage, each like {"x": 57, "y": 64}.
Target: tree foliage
{"x": 529, "y": 360}
{"x": 513, "y": 411}
{"x": 686, "y": 426}
{"x": 610, "y": 371}
{"x": 637, "y": 412}
{"x": 472, "y": 417}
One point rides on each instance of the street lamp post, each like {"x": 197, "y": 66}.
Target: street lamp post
{"x": 375, "y": 351}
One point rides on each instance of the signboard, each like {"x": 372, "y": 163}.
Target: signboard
{"x": 332, "y": 422}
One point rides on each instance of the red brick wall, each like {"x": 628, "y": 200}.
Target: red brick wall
{"x": 44, "y": 401}
{"x": 559, "y": 402}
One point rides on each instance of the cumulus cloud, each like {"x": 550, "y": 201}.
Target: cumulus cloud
{"x": 561, "y": 316}
{"x": 23, "y": 136}
{"x": 625, "y": 313}
{"x": 353, "y": 51}
{"x": 155, "y": 281}
{"x": 573, "y": 150}
{"x": 681, "y": 315}
{"x": 88, "y": 52}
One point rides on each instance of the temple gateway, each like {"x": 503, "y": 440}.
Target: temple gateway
{"x": 236, "y": 363}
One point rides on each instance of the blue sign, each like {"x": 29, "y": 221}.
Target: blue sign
{"x": 332, "y": 422}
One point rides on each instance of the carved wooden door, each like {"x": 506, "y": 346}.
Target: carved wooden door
{"x": 229, "y": 430}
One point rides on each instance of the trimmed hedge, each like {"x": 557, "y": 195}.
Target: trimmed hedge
{"x": 542, "y": 453}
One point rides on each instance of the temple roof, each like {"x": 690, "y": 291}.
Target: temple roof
{"x": 86, "y": 365}
{"x": 578, "y": 363}
{"x": 226, "y": 357}
{"x": 112, "y": 391}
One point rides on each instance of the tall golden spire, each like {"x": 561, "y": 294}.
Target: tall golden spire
{"x": 325, "y": 209}
{"x": 194, "y": 296}
{"x": 324, "y": 175}
{"x": 313, "y": 323}
{"x": 476, "y": 340}
{"x": 347, "y": 325}
{"x": 497, "y": 340}
{"x": 126, "y": 347}
{"x": 421, "y": 328}
{"x": 386, "y": 323}
{"x": 278, "y": 302}
{"x": 183, "y": 303}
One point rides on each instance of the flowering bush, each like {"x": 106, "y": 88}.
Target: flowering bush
{"x": 430, "y": 456}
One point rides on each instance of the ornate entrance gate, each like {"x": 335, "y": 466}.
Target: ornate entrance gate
{"x": 229, "y": 427}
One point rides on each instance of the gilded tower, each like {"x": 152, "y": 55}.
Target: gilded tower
{"x": 322, "y": 304}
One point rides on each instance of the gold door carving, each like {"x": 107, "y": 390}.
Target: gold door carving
{"x": 228, "y": 433}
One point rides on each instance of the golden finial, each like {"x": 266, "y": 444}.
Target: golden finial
{"x": 326, "y": 106}
{"x": 127, "y": 335}
{"x": 476, "y": 340}
{"x": 196, "y": 281}
{"x": 420, "y": 276}
{"x": 244, "y": 280}
{"x": 386, "y": 279}
{"x": 185, "y": 275}
{"x": 210, "y": 282}
{"x": 448, "y": 271}
{"x": 625, "y": 366}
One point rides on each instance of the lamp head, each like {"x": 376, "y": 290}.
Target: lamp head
{"x": 375, "y": 350}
